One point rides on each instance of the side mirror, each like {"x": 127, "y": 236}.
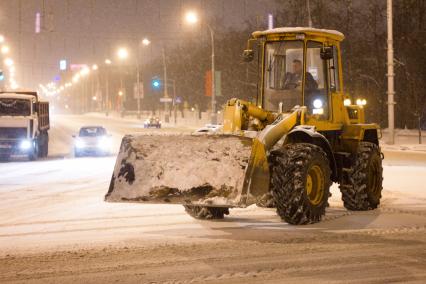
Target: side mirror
{"x": 248, "y": 55}
{"x": 326, "y": 53}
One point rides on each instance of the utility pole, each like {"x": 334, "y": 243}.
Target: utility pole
{"x": 138, "y": 91}
{"x": 107, "y": 91}
{"x": 166, "y": 94}
{"x": 309, "y": 13}
{"x": 390, "y": 75}
{"x": 213, "y": 115}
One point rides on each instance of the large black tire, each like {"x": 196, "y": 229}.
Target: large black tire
{"x": 300, "y": 182}
{"x": 361, "y": 186}
{"x": 35, "y": 151}
{"x": 206, "y": 213}
{"x": 45, "y": 146}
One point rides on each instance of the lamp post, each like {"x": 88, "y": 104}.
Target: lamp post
{"x": 165, "y": 89}
{"x": 192, "y": 18}
{"x": 122, "y": 54}
{"x": 145, "y": 42}
{"x": 107, "y": 63}
{"x": 390, "y": 75}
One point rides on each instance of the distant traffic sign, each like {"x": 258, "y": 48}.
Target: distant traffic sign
{"x": 166, "y": 100}
{"x": 178, "y": 100}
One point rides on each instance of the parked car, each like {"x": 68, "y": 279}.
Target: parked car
{"x": 209, "y": 128}
{"x": 92, "y": 140}
{"x": 152, "y": 122}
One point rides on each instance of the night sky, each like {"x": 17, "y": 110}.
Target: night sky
{"x": 88, "y": 31}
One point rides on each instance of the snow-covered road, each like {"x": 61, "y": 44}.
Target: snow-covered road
{"x": 55, "y": 226}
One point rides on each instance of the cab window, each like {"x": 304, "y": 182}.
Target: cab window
{"x": 283, "y": 75}
{"x": 333, "y": 70}
{"x": 316, "y": 96}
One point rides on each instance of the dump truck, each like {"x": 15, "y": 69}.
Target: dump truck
{"x": 285, "y": 148}
{"x": 24, "y": 125}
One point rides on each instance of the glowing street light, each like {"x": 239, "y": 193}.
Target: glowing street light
{"x": 75, "y": 78}
{"x": 120, "y": 93}
{"x": 85, "y": 71}
{"x": 94, "y": 67}
{"x": 107, "y": 61}
{"x": 8, "y": 62}
{"x": 146, "y": 41}
{"x": 1, "y": 38}
{"x": 122, "y": 53}
{"x": 191, "y": 17}
{"x": 5, "y": 49}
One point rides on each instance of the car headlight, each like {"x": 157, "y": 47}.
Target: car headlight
{"x": 25, "y": 144}
{"x": 146, "y": 122}
{"x": 104, "y": 143}
{"x": 79, "y": 143}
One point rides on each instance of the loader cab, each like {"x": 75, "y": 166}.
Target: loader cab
{"x": 300, "y": 66}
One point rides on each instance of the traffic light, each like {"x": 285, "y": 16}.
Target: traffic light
{"x": 156, "y": 84}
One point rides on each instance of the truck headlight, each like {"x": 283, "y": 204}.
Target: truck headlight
{"x": 25, "y": 144}
{"x": 79, "y": 143}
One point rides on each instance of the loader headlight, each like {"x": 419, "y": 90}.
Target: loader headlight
{"x": 317, "y": 103}
{"x": 361, "y": 102}
{"x": 347, "y": 102}
{"x": 79, "y": 143}
{"x": 318, "y": 111}
{"x": 25, "y": 144}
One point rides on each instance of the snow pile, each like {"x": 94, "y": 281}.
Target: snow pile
{"x": 179, "y": 168}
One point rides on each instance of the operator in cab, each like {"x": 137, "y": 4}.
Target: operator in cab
{"x": 294, "y": 79}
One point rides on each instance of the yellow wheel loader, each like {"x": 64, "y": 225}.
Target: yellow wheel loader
{"x": 298, "y": 136}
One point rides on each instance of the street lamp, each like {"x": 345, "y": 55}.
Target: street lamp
{"x": 8, "y": 62}
{"x": 5, "y": 49}
{"x": 191, "y": 17}
{"x": 1, "y": 38}
{"x": 107, "y": 62}
{"x": 145, "y": 42}
{"x": 85, "y": 71}
{"x": 122, "y": 54}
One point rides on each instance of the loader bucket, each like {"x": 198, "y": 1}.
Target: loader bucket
{"x": 209, "y": 170}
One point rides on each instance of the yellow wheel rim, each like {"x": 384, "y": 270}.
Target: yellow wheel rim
{"x": 315, "y": 185}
